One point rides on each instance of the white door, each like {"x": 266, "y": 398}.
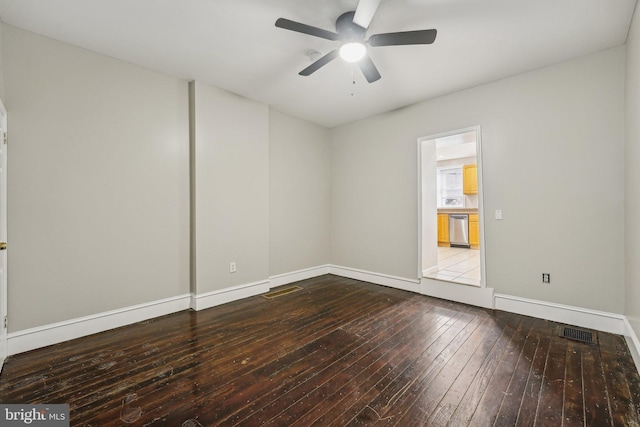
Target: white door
{"x": 3, "y": 234}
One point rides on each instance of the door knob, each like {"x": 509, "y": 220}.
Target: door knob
{"x": 3, "y": 246}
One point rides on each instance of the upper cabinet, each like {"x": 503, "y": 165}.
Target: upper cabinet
{"x": 470, "y": 179}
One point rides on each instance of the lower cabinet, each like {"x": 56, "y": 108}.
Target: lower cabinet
{"x": 443, "y": 229}
{"x": 474, "y": 231}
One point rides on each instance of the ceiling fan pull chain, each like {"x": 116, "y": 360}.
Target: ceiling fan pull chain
{"x": 353, "y": 78}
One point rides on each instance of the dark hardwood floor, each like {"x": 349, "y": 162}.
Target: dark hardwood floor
{"x": 338, "y": 352}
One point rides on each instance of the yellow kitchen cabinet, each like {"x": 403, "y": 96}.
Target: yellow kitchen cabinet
{"x": 470, "y": 179}
{"x": 474, "y": 231}
{"x": 443, "y": 230}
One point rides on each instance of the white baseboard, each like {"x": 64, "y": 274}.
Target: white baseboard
{"x": 466, "y": 294}
{"x": 296, "y": 276}
{"x": 226, "y": 295}
{"x": 577, "y": 316}
{"x": 430, "y": 270}
{"x": 482, "y": 297}
{"x": 633, "y": 343}
{"x": 42, "y": 336}
{"x": 405, "y": 284}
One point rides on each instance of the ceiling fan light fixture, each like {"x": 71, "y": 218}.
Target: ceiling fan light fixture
{"x": 351, "y": 32}
{"x": 352, "y": 51}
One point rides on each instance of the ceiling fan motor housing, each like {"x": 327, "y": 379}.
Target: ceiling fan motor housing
{"x": 348, "y": 29}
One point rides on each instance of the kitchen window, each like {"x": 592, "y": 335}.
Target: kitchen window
{"x": 450, "y": 187}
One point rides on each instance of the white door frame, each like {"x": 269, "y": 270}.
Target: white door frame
{"x": 478, "y": 130}
{"x": 3, "y": 234}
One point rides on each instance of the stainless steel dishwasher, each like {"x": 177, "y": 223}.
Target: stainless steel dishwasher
{"x": 459, "y": 230}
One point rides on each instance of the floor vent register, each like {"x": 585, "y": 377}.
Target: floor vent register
{"x": 282, "y": 292}
{"x": 577, "y": 335}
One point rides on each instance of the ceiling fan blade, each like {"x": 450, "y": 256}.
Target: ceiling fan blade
{"x": 319, "y": 63}
{"x": 403, "y": 38}
{"x": 365, "y": 11}
{"x": 306, "y": 29}
{"x": 369, "y": 70}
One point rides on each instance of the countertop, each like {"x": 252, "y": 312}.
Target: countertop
{"x": 457, "y": 210}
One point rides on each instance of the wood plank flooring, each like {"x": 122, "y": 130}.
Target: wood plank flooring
{"x": 339, "y": 352}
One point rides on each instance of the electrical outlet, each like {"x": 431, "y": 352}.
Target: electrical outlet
{"x": 546, "y": 278}
{"x": 232, "y": 267}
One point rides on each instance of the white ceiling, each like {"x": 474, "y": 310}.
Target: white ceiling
{"x": 234, "y": 45}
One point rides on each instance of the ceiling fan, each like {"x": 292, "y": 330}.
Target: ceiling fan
{"x": 351, "y": 28}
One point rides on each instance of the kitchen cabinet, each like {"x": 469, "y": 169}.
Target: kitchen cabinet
{"x": 470, "y": 179}
{"x": 474, "y": 231}
{"x": 443, "y": 230}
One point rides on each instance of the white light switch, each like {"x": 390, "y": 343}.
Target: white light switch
{"x": 498, "y": 213}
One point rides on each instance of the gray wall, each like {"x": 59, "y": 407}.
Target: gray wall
{"x": 231, "y": 189}
{"x": 553, "y": 142}
{"x": 299, "y": 194}
{"x": 99, "y": 185}
{"x": 1, "y": 64}
{"x": 98, "y": 182}
{"x": 374, "y": 195}
{"x": 632, "y": 176}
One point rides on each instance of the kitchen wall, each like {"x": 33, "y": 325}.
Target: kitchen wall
{"x": 299, "y": 194}
{"x": 98, "y": 182}
{"x": 231, "y": 203}
{"x": 632, "y": 176}
{"x": 553, "y": 143}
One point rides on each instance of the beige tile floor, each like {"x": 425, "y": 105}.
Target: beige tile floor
{"x": 458, "y": 265}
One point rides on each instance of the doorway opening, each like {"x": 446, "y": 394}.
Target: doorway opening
{"x": 450, "y": 199}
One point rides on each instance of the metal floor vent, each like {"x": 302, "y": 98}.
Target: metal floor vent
{"x": 577, "y": 335}
{"x": 281, "y": 292}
